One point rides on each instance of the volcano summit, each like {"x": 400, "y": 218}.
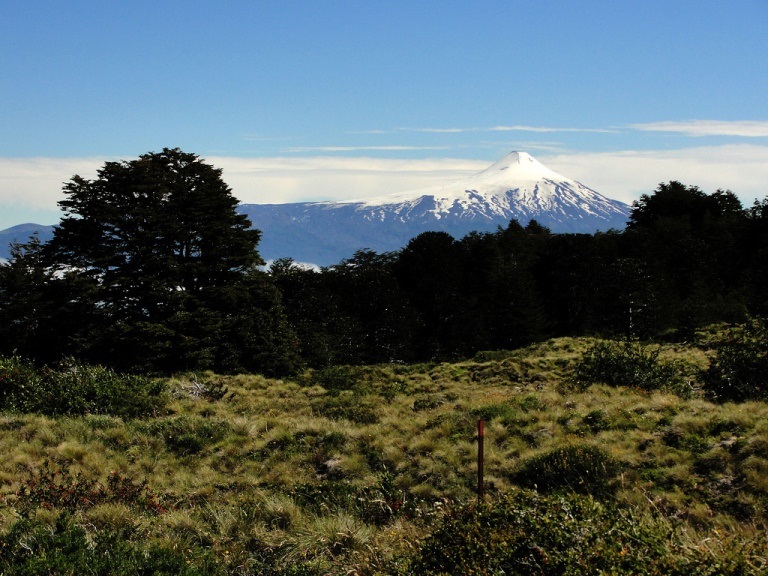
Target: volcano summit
{"x": 516, "y": 187}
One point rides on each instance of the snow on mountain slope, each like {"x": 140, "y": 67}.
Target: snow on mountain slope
{"x": 517, "y": 186}
{"x": 515, "y": 169}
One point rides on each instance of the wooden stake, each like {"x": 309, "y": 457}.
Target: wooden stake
{"x": 480, "y": 459}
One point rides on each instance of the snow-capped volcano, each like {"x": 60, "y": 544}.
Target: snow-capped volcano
{"x": 516, "y": 187}
{"x": 515, "y": 170}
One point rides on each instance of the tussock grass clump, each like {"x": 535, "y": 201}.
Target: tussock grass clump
{"x": 186, "y": 435}
{"x": 581, "y": 468}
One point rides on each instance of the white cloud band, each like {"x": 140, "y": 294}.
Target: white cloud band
{"x": 742, "y": 168}
{"x": 35, "y": 184}
{"x": 745, "y": 128}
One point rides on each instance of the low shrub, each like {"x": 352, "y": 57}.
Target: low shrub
{"x": 494, "y": 355}
{"x": 739, "y": 370}
{"x": 75, "y": 389}
{"x": 629, "y": 364}
{"x": 317, "y": 448}
{"x": 427, "y": 403}
{"x": 526, "y": 533}
{"x": 19, "y": 383}
{"x": 596, "y": 421}
{"x": 505, "y": 412}
{"x": 585, "y": 469}
{"x": 31, "y": 547}
{"x": 50, "y": 488}
{"x": 376, "y": 504}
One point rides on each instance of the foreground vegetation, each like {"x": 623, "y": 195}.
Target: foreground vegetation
{"x": 372, "y": 470}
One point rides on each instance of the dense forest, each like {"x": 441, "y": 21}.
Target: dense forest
{"x": 152, "y": 270}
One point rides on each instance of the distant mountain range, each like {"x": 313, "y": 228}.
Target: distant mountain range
{"x": 323, "y": 233}
{"x": 516, "y": 187}
{"x": 21, "y": 234}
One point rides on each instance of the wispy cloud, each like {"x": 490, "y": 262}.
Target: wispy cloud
{"x": 263, "y": 138}
{"x": 542, "y": 129}
{"x": 394, "y": 148}
{"x": 30, "y": 188}
{"x": 522, "y": 145}
{"x": 314, "y": 178}
{"x": 625, "y": 175}
{"x": 499, "y": 128}
{"x": 743, "y": 128}
{"x": 442, "y": 130}
{"x": 37, "y": 182}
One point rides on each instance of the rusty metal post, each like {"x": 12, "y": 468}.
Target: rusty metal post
{"x": 480, "y": 459}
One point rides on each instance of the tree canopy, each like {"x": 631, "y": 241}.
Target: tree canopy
{"x": 155, "y": 269}
{"x": 165, "y": 221}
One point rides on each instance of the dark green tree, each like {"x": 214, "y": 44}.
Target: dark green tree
{"x": 164, "y": 271}
{"x": 22, "y": 305}
{"x": 754, "y": 245}
{"x": 312, "y": 310}
{"x": 165, "y": 221}
{"x": 693, "y": 243}
{"x": 688, "y": 204}
{"x": 428, "y": 270}
{"x": 571, "y": 273}
{"x": 500, "y": 299}
{"x": 379, "y": 321}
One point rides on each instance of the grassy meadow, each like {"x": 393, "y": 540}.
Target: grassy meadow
{"x": 372, "y": 470}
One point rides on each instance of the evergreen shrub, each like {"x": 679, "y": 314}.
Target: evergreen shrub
{"x": 739, "y": 370}
{"x": 336, "y": 378}
{"x": 377, "y": 504}
{"x": 188, "y": 435}
{"x": 32, "y": 547}
{"x": 347, "y": 406}
{"x": 629, "y": 364}
{"x": 525, "y": 533}
{"x": 61, "y": 489}
{"x": 74, "y": 389}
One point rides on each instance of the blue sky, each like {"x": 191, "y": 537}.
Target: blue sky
{"x": 307, "y": 100}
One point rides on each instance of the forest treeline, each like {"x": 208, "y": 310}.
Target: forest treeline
{"x": 685, "y": 260}
{"x": 151, "y": 269}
